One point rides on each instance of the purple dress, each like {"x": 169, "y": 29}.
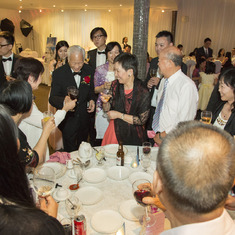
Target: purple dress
{"x": 100, "y": 79}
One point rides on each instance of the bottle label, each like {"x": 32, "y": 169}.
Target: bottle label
{"x": 118, "y": 161}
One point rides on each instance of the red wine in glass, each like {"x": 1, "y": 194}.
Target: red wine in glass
{"x": 146, "y": 150}
{"x": 73, "y": 96}
{"x": 140, "y": 194}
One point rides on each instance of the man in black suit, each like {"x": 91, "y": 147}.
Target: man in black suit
{"x": 7, "y": 57}
{"x": 76, "y": 124}
{"x": 97, "y": 56}
{"x": 205, "y": 51}
{"x": 164, "y": 39}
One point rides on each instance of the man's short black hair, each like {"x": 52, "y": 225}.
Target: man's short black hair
{"x": 166, "y": 34}
{"x": 96, "y": 30}
{"x": 207, "y": 39}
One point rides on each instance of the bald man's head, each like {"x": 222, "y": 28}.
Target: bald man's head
{"x": 173, "y": 53}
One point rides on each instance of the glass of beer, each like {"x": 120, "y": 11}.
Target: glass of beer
{"x": 47, "y": 115}
{"x": 206, "y": 116}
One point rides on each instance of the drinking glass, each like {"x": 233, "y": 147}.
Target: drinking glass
{"x": 146, "y": 148}
{"x": 77, "y": 172}
{"x": 47, "y": 115}
{"x": 72, "y": 206}
{"x": 139, "y": 193}
{"x": 100, "y": 156}
{"x": 72, "y": 93}
{"x": 106, "y": 96}
{"x": 206, "y": 117}
{"x": 153, "y": 73}
{"x": 145, "y": 161}
{"x": 44, "y": 180}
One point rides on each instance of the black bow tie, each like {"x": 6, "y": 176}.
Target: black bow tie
{"x": 101, "y": 52}
{"x": 77, "y": 73}
{"x": 6, "y": 59}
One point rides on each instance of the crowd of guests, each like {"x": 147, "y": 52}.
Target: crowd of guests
{"x": 114, "y": 105}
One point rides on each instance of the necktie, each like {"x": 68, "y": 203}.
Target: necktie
{"x": 6, "y": 59}
{"x": 77, "y": 73}
{"x": 206, "y": 52}
{"x": 101, "y": 52}
{"x": 156, "y": 116}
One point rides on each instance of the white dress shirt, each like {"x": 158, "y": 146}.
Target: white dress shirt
{"x": 223, "y": 225}
{"x": 32, "y": 125}
{"x": 180, "y": 102}
{"x": 7, "y": 65}
{"x": 77, "y": 79}
{"x": 100, "y": 58}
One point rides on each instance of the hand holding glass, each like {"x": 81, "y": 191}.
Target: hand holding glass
{"x": 72, "y": 93}
{"x": 44, "y": 180}
{"x": 47, "y": 115}
{"x": 139, "y": 194}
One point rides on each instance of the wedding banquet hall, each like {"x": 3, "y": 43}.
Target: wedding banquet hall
{"x": 105, "y": 192}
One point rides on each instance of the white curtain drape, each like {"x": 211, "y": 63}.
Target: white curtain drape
{"x": 74, "y": 26}
{"x": 200, "y": 19}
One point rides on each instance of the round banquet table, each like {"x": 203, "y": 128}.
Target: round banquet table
{"x": 114, "y": 192}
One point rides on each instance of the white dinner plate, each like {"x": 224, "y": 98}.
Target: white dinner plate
{"x": 110, "y": 150}
{"x": 94, "y": 175}
{"x": 59, "y": 168}
{"x": 106, "y": 221}
{"x": 130, "y": 210}
{"x": 140, "y": 175}
{"x": 62, "y": 197}
{"x": 118, "y": 172}
{"x": 89, "y": 195}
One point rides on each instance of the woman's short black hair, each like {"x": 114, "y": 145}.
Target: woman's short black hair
{"x": 58, "y": 46}
{"x": 16, "y": 96}
{"x": 123, "y": 40}
{"x": 27, "y": 66}
{"x": 210, "y": 67}
{"x": 199, "y": 61}
{"x": 110, "y": 47}
{"x": 20, "y": 220}
{"x": 128, "y": 61}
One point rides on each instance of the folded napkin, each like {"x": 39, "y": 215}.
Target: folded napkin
{"x": 60, "y": 157}
{"x": 151, "y": 135}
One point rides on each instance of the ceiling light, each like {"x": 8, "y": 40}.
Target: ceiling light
{"x": 163, "y": 10}
{"x": 20, "y": 0}
{"x": 40, "y": 10}
{"x": 19, "y": 11}
{"x": 109, "y": 10}
{"x": 85, "y": 10}
{"x": 86, "y": 5}
{"x": 62, "y": 10}
{"x": 53, "y": 5}
{"x": 120, "y": 5}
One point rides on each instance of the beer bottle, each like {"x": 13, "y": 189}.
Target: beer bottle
{"x": 120, "y": 155}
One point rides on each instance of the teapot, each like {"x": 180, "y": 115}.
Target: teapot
{"x": 85, "y": 150}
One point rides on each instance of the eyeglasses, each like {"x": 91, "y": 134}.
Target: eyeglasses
{"x": 98, "y": 36}
{"x": 4, "y": 45}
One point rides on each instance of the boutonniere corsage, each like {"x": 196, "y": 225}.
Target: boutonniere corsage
{"x": 86, "y": 80}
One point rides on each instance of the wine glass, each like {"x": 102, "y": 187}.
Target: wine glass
{"x": 206, "y": 116}
{"x": 72, "y": 93}
{"x": 77, "y": 173}
{"x": 141, "y": 188}
{"x": 153, "y": 73}
{"x": 146, "y": 148}
{"x": 44, "y": 180}
{"x": 72, "y": 206}
{"x": 145, "y": 161}
{"x": 106, "y": 96}
{"x": 100, "y": 156}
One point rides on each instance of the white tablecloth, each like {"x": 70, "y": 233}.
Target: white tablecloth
{"x": 114, "y": 192}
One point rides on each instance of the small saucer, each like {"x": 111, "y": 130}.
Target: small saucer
{"x": 66, "y": 194}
